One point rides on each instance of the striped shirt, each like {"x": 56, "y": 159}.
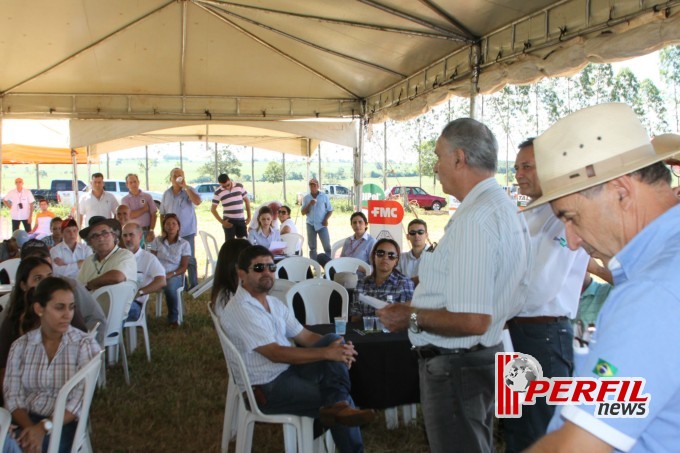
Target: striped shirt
{"x": 231, "y": 200}
{"x": 32, "y": 382}
{"x": 482, "y": 265}
{"x": 249, "y": 326}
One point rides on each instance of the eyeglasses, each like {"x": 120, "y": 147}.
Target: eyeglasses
{"x": 261, "y": 267}
{"x": 390, "y": 255}
{"x": 414, "y": 232}
{"x": 102, "y": 235}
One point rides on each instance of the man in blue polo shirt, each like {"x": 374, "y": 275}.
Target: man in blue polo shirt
{"x": 608, "y": 184}
{"x": 317, "y": 207}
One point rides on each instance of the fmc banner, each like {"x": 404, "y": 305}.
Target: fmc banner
{"x": 384, "y": 219}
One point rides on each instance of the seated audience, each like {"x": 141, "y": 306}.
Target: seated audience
{"x": 42, "y": 221}
{"x": 40, "y": 363}
{"x": 360, "y": 244}
{"x": 287, "y": 224}
{"x": 10, "y": 248}
{"x": 150, "y": 271}
{"x": 310, "y": 380}
{"x": 174, "y": 253}
{"x": 55, "y": 228}
{"x": 225, "y": 282}
{"x": 69, "y": 255}
{"x": 274, "y": 206}
{"x": 265, "y": 234}
{"x": 409, "y": 261}
{"x": 385, "y": 280}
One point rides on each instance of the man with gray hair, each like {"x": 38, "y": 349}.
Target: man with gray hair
{"x": 475, "y": 279}
{"x": 607, "y": 183}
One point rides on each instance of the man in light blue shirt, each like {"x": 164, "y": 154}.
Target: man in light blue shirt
{"x": 606, "y": 182}
{"x": 317, "y": 207}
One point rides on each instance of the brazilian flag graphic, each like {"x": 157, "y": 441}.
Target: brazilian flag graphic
{"x": 605, "y": 369}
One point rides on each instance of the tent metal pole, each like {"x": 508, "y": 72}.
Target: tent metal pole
{"x": 146, "y": 166}
{"x": 217, "y": 163}
{"x": 252, "y": 168}
{"x": 74, "y": 158}
{"x": 89, "y": 164}
{"x": 358, "y": 165}
{"x": 108, "y": 175}
{"x": 283, "y": 164}
{"x": 385, "y": 155}
{"x": 181, "y": 158}
{"x": 475, "y": 57}
{"x": 37, "y": 176}
{"x": 318, "y": 175}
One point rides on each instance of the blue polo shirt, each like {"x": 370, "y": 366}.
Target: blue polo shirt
{"x": 181, "y": 205}
{"x": 317, "y": 212}
{"x": 638, "y": 336}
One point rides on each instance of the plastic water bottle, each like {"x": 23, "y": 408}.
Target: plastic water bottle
{"x": 389, "y": 299}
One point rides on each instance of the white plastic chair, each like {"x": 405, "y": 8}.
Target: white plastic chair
{"x": 296, "y": 268}
{"x": 180, "y": 303}
{"x": 210, "y": 253}
{"x": 87, "y": 375}
{"x": 336, "y": 249}
{"x": 281, "y": 288}
{"x": 316, "y": 296}
{"x": 345, "y": 264}
{"x": 131, "y": 327}
{"x": 113, "y": 299}
{"x": 293, "y": 243}
{"x": 247, "y": 412}
{"x": 11, "y": 267}
{"x": 5, "y": 422}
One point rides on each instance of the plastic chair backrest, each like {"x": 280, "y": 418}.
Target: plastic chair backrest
{"x": 5, "y": 422}
{"x": 345, "y": 264}
{"x": 87, "y": 374}
{"x": 336, "y": 249}
{"x": 281, "y": 288}
{"x": 293, "y": 242}
{"x": 297, "y": 268}
{"x": 316, "y": 295}
{"x": 235, "y": 365}
{"x": 210, "y": 252}
{"x": 113, "y": 299}
{"x": 11, "y": 267}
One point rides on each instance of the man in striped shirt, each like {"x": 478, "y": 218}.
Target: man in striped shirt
{"x": 233, "y": 197}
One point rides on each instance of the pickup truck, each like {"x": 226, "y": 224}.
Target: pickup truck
{"x": 418, "y": 196}
{"x": 51, "y": 194}
{"x": 117, "y": 188}
{"x": 336, "y": 190}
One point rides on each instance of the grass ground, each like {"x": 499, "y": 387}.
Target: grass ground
{"x": 175, "y": 403}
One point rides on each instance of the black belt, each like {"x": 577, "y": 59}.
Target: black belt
{"x": 537, "y": 319}
{"x": 429, "y": 351}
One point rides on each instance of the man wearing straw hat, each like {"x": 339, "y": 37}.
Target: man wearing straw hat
{"x": 608, "y": 184}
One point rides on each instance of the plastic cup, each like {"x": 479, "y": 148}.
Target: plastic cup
{"x": 369, "y": 322}
{"x": 341, "y": 325}
{"x": 179, "y": 180}
{"x": 380, "y": 326}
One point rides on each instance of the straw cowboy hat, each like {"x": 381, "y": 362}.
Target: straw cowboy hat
{"x": 593, "y": 146}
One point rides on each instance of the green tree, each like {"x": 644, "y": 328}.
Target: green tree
{"x": 627, "y": 89}
{"x": 427, "y": 157}
{"x": 226, "y": 163}
{"x": 273, "y": 172}
{"x": 654, "y": 117}
{"x": 669, "y": 60}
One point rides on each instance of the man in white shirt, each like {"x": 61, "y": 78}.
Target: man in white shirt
{"x": 20, "y": 203}
{"x": 97, "y": 202}
{"x": 543, "y": 328}
{"x": 150, "y": 271}
{"x": 68, "y": 256}
{"x": 473, "y": 281}
{"x": 416, "y": 233}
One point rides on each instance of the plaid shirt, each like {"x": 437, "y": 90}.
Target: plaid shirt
{"x": 397, "y": 285}
{"x": 32, "y": 382}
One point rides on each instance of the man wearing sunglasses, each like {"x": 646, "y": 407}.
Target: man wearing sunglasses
{"x": 470, "y": 285}
{"x": 409, "y": 261}
{"x": 311, "y": 380}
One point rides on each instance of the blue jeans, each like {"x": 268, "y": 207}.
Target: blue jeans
{"x": 193, "y": 268}
{"x": 171, "y": 300}
{"x": 311, "y": 240}
{"x": 552, "y": 345}
{"x": 135, "y": 311}
{"x": 457, "y": 397}
{"x": 237, "y": 230}
{"x": 304, "y": 389}
{"x": 65, "y": 441}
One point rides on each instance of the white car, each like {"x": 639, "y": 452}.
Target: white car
{"x": 207, "y": 190}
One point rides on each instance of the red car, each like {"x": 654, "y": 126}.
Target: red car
{"x": 416, "y": 195}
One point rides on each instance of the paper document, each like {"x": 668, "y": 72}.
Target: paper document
{"x": 372, "y": 301}
{"x": 278, "y": 245}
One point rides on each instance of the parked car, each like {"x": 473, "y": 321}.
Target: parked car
{"x": 418, "y": 196}
{"x": 336, "y": 191}
{"x": 51, "y": 194}
{"x": 117, "y": 188}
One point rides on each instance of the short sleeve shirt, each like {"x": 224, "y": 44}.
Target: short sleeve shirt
{"x": 317, "y": 212}
{"x": 181, "y": 205}
{"x": 148, "y": 268}
{"x": 231, "y": 201}
{"x": 119, "y": 259}
{"x": 91, "y": 206}
{"x": 25, "y": 197}
{"x": 170, "y": 255}
{"x": 139, "y": 201}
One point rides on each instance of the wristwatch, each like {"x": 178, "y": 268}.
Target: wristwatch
{"x": 47, "y": 425}
{"x": 141, "y": 292}
{"x": 413, "y": 323}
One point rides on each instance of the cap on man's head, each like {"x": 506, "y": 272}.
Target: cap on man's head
{"x": 21, "y": 237}
{"x": 34, "y": 247}
{"x": 18, "y": 180}
{"x": 68, "y": 223}
{"x": 98, "y": 220}
{"x": 314, "y": 181}
{"x": 223, "y": 178}
{"x": 593, "y": 146}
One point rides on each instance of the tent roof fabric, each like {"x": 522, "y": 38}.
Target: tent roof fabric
{"x": 262, "y": 60}
{"x": 24, "y": 154}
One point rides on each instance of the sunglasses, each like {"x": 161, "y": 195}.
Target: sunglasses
{"x": 390, "y": 255}
{"x": 260, "y": 267}
{"x": 414, "y": 232}
{"x": 283, "y": 211}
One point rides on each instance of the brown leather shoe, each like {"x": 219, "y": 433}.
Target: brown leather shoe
{"x": 344, "y": 414}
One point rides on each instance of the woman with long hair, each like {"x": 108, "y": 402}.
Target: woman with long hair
{"x": 225, "y": 280}
{"x": 385, "y": 282}
{"x": 174, "y": 254}
{"x": 41, "y": 362}
{"x": 265, "y": 233}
